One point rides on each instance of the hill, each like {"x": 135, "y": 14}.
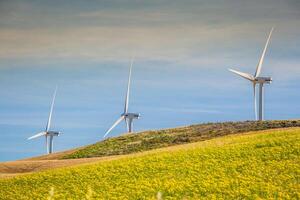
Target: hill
{"x": 138, "y": 142}
{"x": 263, "y": 164}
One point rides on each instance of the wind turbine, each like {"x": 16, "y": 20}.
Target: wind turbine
{"x": 257, "y": 79}
{"x": 47, "y": 133}
{"x": 127, "y": 116}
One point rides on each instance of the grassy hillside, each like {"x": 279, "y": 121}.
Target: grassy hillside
{"x": 132, "y": 143}
{"x": 249, "y": 166}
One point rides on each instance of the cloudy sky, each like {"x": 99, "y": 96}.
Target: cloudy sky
{"x": 182, "y": 51}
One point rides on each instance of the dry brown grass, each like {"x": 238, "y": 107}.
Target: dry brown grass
{"x": 13, "y": 168}
{"x": 53, "y": 156}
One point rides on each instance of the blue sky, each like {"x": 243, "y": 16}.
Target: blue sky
{"x": 180, "y": 76}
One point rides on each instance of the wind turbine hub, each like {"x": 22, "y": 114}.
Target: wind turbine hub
{"x": 267, "y": 80}
{"x": 53, "y": 133}
{"x": 132, "y": 115}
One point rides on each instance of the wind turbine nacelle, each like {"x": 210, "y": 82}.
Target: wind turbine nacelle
{"x": 263, "y": 79}
{"x": 132, "y": 115}
{"x": 53, "y": 133}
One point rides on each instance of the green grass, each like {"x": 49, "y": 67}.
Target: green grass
{"x": 251, "y": 166}
{"x": 132, "y": 143}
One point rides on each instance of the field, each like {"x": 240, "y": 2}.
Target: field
{"x": 263, "y": 164}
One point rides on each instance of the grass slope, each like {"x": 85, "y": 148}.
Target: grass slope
{"x": 250, "y": 166}
{"x": 132, "y": 143}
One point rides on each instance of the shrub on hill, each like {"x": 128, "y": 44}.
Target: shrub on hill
{"x": 137, "y": 142}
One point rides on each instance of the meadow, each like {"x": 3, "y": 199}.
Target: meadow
{"x": 256, "y": 165}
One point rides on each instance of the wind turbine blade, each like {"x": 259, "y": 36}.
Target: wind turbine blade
{"x": 242, "y": 74}
{"x": 37, "y": 135}
{"x": 113, "y": 126}
{"x": 254, "y": 95}
{"x": 51, "y": 109}
{"x": 128, "y": 89}
{"x": 261, "y": 60}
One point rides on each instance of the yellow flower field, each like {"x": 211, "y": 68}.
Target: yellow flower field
{"x": 258, "y": 165}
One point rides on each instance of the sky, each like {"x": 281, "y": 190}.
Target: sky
{"x": 182, "y": 51}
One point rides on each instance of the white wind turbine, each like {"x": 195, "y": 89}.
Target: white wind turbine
{"x": 256, "y": 79}
{"x": 47, "y": 133}
{"x": 127, "y": 116}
